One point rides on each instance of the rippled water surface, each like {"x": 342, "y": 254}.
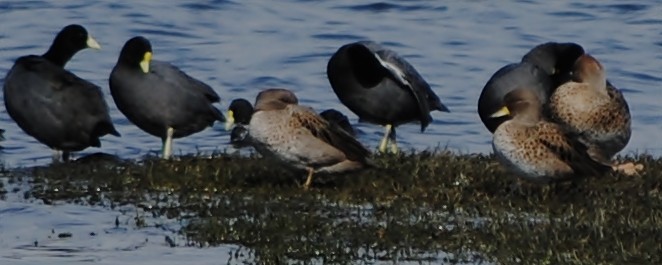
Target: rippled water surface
{"x": 32, "y": 232}
{"x": 241, "y": 47}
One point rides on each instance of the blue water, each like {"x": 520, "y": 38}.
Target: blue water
{"x": 241, "y": 47}
{"x": 30, "y": 234}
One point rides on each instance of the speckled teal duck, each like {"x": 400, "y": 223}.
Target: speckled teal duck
{"x": 590, "y": 106}
{"x": 538, "y": 150}
{"x": 240, "y": 111}
{"x": 541, "y": 69}
{"x": 298, "y": 136}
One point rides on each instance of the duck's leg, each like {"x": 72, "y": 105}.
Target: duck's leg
{"x": 167, "y": 143}
{"x": 384, "y": 142}
{"x": 309, "y": 179}
{"x": 65, "y": 156}
{"x": 394, "y": 144}
{"x": 57, "y": 156}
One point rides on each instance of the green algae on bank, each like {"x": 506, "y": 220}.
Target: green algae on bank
{"x": 423, "y": 207}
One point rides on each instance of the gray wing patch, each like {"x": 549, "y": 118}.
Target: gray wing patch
{"x": 406, "y": 76}
{"x": 171, "y": 74}
{"x": 394, "y": 69}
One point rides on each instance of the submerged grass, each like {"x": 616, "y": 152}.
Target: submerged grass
{"x": 437, "y": 207}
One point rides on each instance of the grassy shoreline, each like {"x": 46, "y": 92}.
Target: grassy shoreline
{"x": 408, "y": 208}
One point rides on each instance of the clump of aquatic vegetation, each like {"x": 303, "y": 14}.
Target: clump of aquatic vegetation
{"x": 436, "y": 207}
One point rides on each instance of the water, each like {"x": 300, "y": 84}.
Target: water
{"x": 241, "y": 47}
{"x": 35, "y": 233}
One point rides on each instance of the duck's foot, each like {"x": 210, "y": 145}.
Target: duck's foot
{"x": 309, "y": 179}
{"x": 628, "y": 168}
{"x": 57, "y": 156}
{"x": 60, "y": 156}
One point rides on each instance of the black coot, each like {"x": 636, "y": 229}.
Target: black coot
{"x": 380, "y": 87}
{"x": 53, "y": 105}
{"x": 158, "y": 97}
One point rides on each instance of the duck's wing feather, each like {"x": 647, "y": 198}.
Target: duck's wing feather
{"x": 569, "y": 148}
{"x": 329, "y": 133}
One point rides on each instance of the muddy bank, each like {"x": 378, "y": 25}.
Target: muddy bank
{"x": 437, "y": 207}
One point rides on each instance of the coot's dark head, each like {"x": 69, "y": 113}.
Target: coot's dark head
{"x": 239, "y": 112}
{"x": 365, "y": 66}
{"x": 70, "y": 40}
{"x": 137, "y": 52}
{"x": 555, "y": 59}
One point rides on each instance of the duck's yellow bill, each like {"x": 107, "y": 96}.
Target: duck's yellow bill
{"x": 501, "y": 113}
